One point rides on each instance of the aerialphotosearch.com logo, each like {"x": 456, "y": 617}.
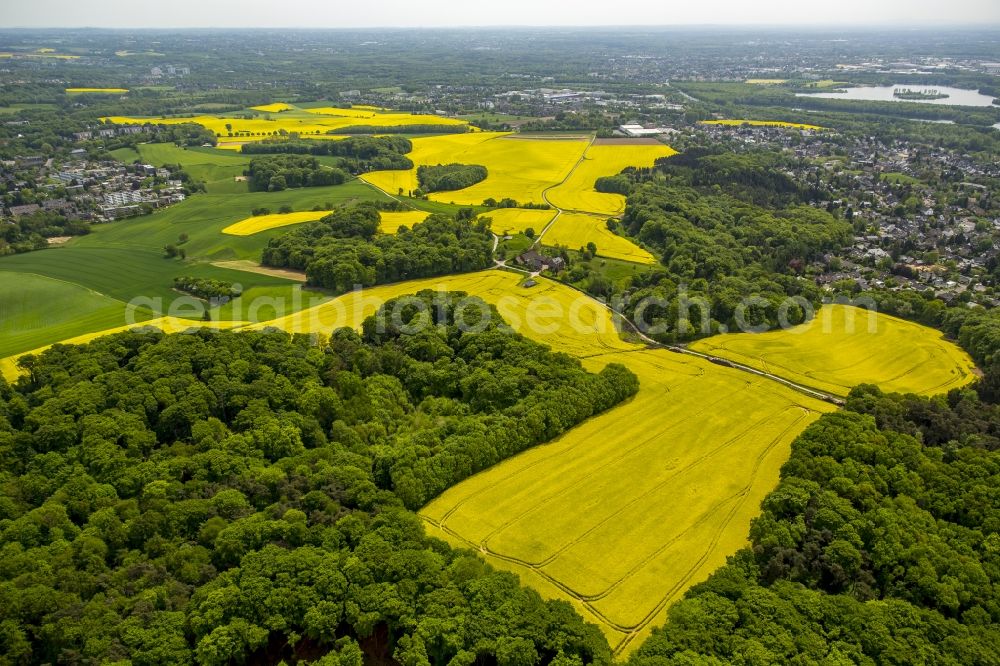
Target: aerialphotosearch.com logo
{"x": 536, "y": 314}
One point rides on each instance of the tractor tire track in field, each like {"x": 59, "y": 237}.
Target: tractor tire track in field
{"x": 609, "y": 426}
{"x": 741, "y": 493}
{"x": 717, "y": 536}
{"x": 638, "y": 498}
{"x": 625, "y": 454}
{"x": 588, "y": 602}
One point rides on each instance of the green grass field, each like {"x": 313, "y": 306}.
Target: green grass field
{"x": 204, "y": 216}
{"x": 615, "y": 270}
{"x": 846, "y": 346}
{"x": 14, "y": 108}
{"x": 124, "y": 260}
{"x": 37, "y": 310}
{"x": 126, "y": 155}
{"x": 121, "y": 273}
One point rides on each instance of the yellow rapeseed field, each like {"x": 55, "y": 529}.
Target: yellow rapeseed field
{"x": 22, "y": 54}
{"x": 309, "y": 123}
{"x": 761, "y": 123}
{"x": 391, "y": 221}
{"x": 549, "y": 312}
{"x": 766, "y": 82}
{"x": 624, "y": 513}
{"x": 846, "y": 346}
{"x": 511, "y": 221}
{"x": 258, "y": 223}
{"x": 518, "y": 168}
{"x": 577, "y": 193}
{"x": 575, "y": 230}
{"x": 276, "y": 107}
{"x": 429, "y": 150}
{"x": 353, "y": 112}
{"x": 79, "y": 91}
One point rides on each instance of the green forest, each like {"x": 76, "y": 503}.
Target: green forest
{"x": 207, "y": 288}
{"x": 223, "y": 498}
{"x": 725, "y": 227}
{"x": 346, "y": 249}
{"x": 448, "y": 177}
{"x": 32, "y": 232}
{"x": 358, "y": 154}
{"x": 278, "y": 172}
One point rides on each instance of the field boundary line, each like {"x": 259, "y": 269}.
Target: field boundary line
{"x": 545, "y": 192}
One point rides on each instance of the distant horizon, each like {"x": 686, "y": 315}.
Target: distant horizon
{"x": 437, "y": 14}
{"x": 623, "y": 26}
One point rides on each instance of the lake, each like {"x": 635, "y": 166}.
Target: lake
{"x": 956, "y": 96}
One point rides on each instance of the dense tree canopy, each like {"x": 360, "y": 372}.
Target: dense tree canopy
{"x": 345, "y": 249}
{"x": 207, "y": 288}
{"x": 222, "y": 497}
{"x": 448, "y": 177}
{"x": 717, "y": 251}
{"x": 278, "y": 172}
{"x": 359, "y": 154}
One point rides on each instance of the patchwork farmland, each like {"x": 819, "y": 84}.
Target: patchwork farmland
{"x": 619, "y": 516}
{"x": 281, "y": 119}
{"x": 604, "y": 158}
{"x": 623, "y": 514}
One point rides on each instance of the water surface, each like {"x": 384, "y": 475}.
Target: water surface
{"x": 956, "y": 96}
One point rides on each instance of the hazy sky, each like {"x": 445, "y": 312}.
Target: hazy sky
{"x": 419, "y": 13}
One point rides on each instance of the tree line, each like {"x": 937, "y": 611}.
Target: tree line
{"x": 219, "y": 497}
{"x": 359, "y": 154}
{"x": 207, "y": 288}
{"x": 346, "y": 249}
